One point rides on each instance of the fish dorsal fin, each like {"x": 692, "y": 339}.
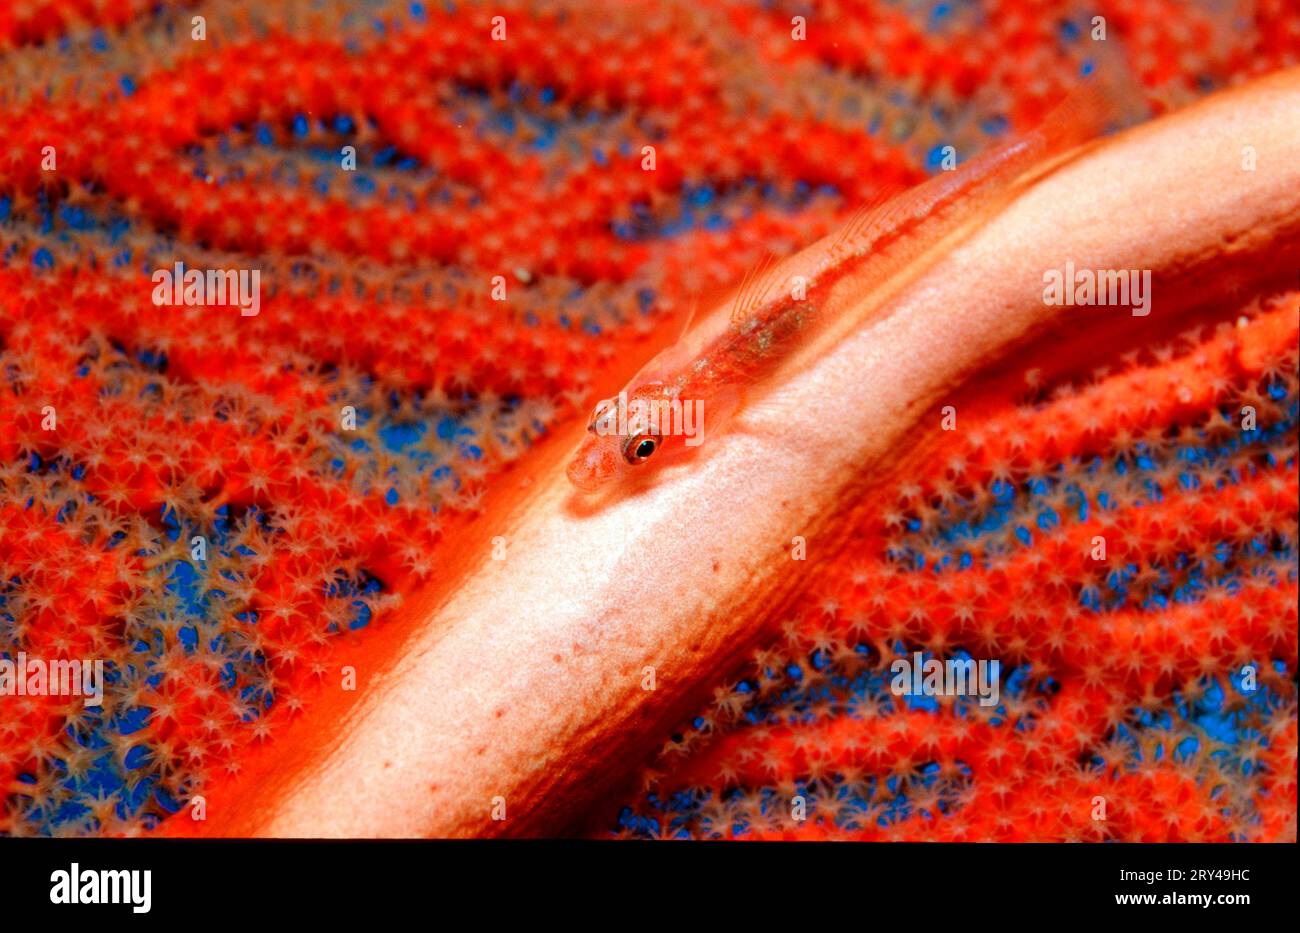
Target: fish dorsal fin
{"x": 881, "y": 205}
{"x": 754, "y": 288}
{"x": 758, "y": 282}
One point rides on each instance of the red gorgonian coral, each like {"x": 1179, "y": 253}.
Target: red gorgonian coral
{"x": 181, "y": 496}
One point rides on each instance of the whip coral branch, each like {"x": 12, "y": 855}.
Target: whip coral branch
{"x": 517, "y": 690}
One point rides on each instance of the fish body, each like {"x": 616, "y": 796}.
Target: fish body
{"x": 785, "y": 308}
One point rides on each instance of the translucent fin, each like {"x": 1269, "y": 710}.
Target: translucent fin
{"x": 689, "y": 319}
{"x": 866, "y": 216}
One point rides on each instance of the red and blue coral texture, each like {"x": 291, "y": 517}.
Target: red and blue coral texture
{"x": 1161, "y": 680}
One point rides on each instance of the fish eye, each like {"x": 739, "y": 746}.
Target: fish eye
{"x": 640, "y": 447}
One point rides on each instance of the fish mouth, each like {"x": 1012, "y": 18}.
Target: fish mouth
{"x": 582, "y": 478}
{"x": 594, "y": 462}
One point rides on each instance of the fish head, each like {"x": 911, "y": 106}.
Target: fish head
{"x": 623, "y": 433}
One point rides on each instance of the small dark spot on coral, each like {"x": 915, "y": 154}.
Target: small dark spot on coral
{"x": 716, "y": 566}
{"x": 500, "y": 713}
{"x": 557, "y": 658}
